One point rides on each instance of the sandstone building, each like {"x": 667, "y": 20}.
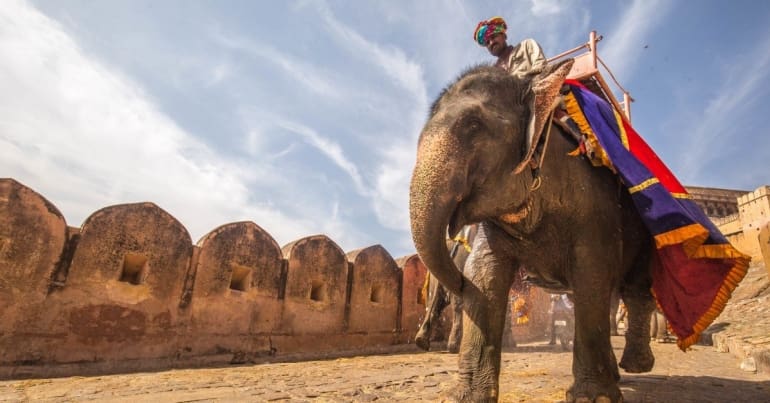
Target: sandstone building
{"x": 742, "y": 216}
{"x": 129, "y": 290}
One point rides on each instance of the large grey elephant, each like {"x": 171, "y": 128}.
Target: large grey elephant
{"x": 438, "y": 299}
{"x": 575, "y": 231}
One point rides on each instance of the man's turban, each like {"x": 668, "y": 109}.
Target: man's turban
{"x": 487, "y": 29}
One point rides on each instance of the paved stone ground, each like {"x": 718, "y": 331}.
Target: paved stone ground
{"x": 743, "y": 328}
{"x": 531, "y": 373}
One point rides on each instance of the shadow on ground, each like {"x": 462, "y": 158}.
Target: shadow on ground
{"x": 660, "y": 388}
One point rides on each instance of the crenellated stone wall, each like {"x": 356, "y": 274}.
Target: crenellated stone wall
{"x": 129, "y": 291}
{"x": 740, "y": 215}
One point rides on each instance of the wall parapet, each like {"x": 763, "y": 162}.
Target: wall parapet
{"x": 128, "y": 290}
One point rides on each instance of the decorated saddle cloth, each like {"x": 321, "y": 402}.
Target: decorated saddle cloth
{"x": 694, "y": 269}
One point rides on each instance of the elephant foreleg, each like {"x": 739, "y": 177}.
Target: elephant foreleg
{"x": 436, "y": 305}
{"x": 455, "y": 335}
{"x": 614, "y": 303}
{"x": 594, "y": 366}
{"x": 485, "y": 294}
{"x": 637, "y": 355}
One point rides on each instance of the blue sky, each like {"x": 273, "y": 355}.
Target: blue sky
{"x": 303, "y": 116}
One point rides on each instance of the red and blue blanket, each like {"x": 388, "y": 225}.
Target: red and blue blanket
{"x": 695, "y": 269}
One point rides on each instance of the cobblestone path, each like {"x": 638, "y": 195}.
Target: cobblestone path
{"x": 531, "y": 373}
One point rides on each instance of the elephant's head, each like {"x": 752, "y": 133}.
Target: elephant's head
{"x": 471, "y": 155}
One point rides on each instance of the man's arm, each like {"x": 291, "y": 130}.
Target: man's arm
{"x": 534, "y": 53}
{"x": 527, "y": 58}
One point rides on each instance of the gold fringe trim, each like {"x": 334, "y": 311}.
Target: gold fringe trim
{"x": 681, "y": 195}
{"x": 692, "y": 237}
{"x": 600, "y": 156}
{"x": 736, "y": 274}
{"x": 463, "y": 242}
{"x": 643, "y": 185}
{"x": 424, "y": 291}
{"x": 623, "y": 135}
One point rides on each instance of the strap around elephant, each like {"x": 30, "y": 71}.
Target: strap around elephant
{"x": 535, "y": 165}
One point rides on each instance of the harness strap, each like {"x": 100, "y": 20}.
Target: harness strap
{"x": 542, "y": 147}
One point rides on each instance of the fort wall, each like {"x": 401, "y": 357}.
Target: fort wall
{"x": 754, "y": 210}
{"x": 128, "y": 290}
{"x": 740, "y": 215}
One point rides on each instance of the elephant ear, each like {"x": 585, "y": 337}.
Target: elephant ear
{"x": 544, "y": 97}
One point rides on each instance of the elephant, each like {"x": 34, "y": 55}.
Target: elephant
{"x": 572, "y": 226}
{"x": 438, "y": 299}
{"x": 658, "y": 327}
{"x": 614, "y": 308}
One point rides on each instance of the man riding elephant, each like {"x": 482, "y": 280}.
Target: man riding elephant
{"x": 467, "y": 171}
{"x": 518, "y": 60}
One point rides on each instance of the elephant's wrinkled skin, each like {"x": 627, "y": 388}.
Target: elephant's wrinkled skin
{"x": 577, "y": 233}
{"x": 438, "y": 299}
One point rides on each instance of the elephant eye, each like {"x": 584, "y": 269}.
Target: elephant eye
{"x": 474, "y": 125}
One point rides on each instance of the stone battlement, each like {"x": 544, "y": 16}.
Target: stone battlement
{"x": 128, "y": 290}
{"x": 759, "y": 193}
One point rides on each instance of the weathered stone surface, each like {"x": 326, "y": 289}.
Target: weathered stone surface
{"x": 374, "y": 291}
{"x": 412, "y": 300}
{"x": 33, "y": 234}
{"x": 235, "y": 301}
{"x": 121, "y": 296}
{"x": 316, "y": 284}
{"x": 531, "y": 373}
{"x": 32, "y": 238}
{"x": 128, "y": 291}
{"x": 743, "y": 328}
{"x": 133, "y": 252}
{"x": 764, "y": 245}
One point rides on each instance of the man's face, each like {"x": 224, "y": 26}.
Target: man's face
{"x": 496, "y": 44}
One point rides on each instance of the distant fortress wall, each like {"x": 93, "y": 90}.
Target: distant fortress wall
{"x": 739, "y": 215}
{"x": 129, "y": 291}
{"x": 754, "y": 210}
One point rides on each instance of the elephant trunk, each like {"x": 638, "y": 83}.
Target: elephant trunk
{"x": 433, "y": 197}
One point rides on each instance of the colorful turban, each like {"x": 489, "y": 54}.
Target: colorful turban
{"x": 487, "y": 29}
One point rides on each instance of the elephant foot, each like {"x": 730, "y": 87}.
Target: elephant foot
{"x": 588, "y": 392}
{"x": 637, "y": 360}
{"x": 453, "y": 346}
{"x": 461, "y": 394}
{"x": 422, "y": 342}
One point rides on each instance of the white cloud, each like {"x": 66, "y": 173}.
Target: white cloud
{"x": 391, "y": 60}
{"x": 619, "y": 48}
{"x": 547, "y": 7}
{"x": 330, "y": 149}
{"x": 389, "y": 200}
{"x": 87, "y": 137}
{"x": 219, "y": 73}
{"x": 721, "y": 123}
{"x": 299, "y": 71}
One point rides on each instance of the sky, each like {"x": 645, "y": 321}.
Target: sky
{"x": 303, "y": 116}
